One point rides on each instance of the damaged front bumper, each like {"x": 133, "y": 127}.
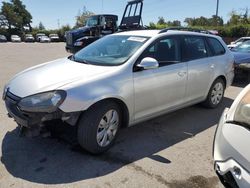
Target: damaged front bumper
{"x": 35, "y": 119}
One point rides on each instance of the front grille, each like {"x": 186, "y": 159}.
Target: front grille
{"x": 69, "y": 38}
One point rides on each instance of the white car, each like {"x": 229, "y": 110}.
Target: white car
{"x": 15, "y": 38}
{"x": 120, "y": 80}
{"x": 231, "y": 151}
{"x": 237, "y": 42}
{"x": 44, "y": 39}
{"x": 54, "y": 38}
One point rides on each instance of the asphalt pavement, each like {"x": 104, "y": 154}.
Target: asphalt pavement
{"x": 173, "y": 150}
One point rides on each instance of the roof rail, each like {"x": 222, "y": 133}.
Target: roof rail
{"x": 186, "y": 29}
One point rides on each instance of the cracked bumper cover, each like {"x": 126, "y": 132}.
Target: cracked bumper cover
{"x": 33, "y": 119}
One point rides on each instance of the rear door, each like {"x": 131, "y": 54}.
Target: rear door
{"x": 163, "y": 88}
{"x": 200, "y": 68}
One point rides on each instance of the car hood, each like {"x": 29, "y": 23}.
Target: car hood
{"x": 241, "y": 57}
{"x": 80, "y": 30}
{"x": 52, "y": 75}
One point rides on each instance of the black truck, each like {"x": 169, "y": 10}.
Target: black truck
{"x": 98, "y": 26}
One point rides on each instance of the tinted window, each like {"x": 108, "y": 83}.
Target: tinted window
{"x": 216, "y": 46}
{"x": 193, "y": 48}
{"x": 165, "y": 51}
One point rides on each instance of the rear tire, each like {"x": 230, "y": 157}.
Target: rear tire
{"x": 215, "y": 94}
{"x": 98, "y": 127}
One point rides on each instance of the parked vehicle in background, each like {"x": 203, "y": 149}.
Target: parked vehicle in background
{"x": 29, "y": 38}
{"x": 44, "y": 39}
{"x": 54, "y": 38}
{"x": 98, "y": 26}
{"x": 15, "y": 38}
{"x": 242, "y": 59}
{"x": 38, "y": 36}
{"x": 120, "y": 80}
{"x": 231, "y": 143}
{"x": 237, "y": 42}
{"x": 3, "y": 38}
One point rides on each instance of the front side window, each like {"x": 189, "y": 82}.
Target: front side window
{"x": 110, "y": 50}
{"x": 216, "y": 46}
{"x": 193, "y": 47}
{"x": 165, "y": 51}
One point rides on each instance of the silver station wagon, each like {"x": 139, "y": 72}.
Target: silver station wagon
{"x": 120, "y": 80}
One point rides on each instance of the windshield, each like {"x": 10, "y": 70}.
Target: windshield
{"x": 110, "y": 50}
{"x": 243, "y": 47}
{"x": 92, "y": 21}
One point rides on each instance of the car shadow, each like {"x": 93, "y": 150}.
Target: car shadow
{"x": 240, "y": 81}
{"x": 53, "y": 161}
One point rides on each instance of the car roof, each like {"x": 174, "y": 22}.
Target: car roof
{"x": 152, "y": 33}
{"x": 143, "y": 33}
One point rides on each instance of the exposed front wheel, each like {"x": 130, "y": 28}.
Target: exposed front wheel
{"x": 215, "y": 94}
{"x": 98, "y": 127}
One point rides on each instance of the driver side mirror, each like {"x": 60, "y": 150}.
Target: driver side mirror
{"x": 148, "y": 63}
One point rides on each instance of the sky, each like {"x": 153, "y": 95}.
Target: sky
{"x": 55, "y": 13}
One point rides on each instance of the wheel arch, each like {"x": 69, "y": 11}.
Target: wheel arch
{"x": 223, "y": 78}
{"x": 121, "y": 104}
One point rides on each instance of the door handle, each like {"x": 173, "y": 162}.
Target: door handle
{"x": 182, "y": 73}
{"x": 212, "y": 66}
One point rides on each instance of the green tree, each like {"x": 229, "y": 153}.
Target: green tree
{"x": 8, "y": 17}
{"x": 190, "y": 21}
{"x": 161, "y": 21}
{"x": 215, "y": 21}
{"x": 41, "y": 26}
{"x": 235, "y": 18}
{"x": 82, "y": 17}
{"x": 13, "y": 14}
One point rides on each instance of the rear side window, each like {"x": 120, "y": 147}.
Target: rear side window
{"x": 216, "y": 47}
{"x": 193, "y": 47}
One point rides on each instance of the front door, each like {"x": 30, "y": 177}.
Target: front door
{"x": 157, "y": 90}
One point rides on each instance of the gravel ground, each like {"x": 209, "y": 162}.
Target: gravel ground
{"x": 173, "y": 150}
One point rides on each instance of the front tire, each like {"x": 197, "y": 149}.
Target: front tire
{"x": 98, "y": 127}
{"x": 215, "y": 94}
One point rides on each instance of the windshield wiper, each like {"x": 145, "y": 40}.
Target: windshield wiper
{"x": 73, "y": 58}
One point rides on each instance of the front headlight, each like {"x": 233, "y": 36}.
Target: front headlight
{"x": 42, "y": 102}
{"x": 242, "y": 112}
{"x": 244, "y": 65}
{"x": 78, "y": 43}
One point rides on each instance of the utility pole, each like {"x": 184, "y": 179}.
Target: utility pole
{"x": 102, "y": 6}
{"x": 217, "y": 8}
